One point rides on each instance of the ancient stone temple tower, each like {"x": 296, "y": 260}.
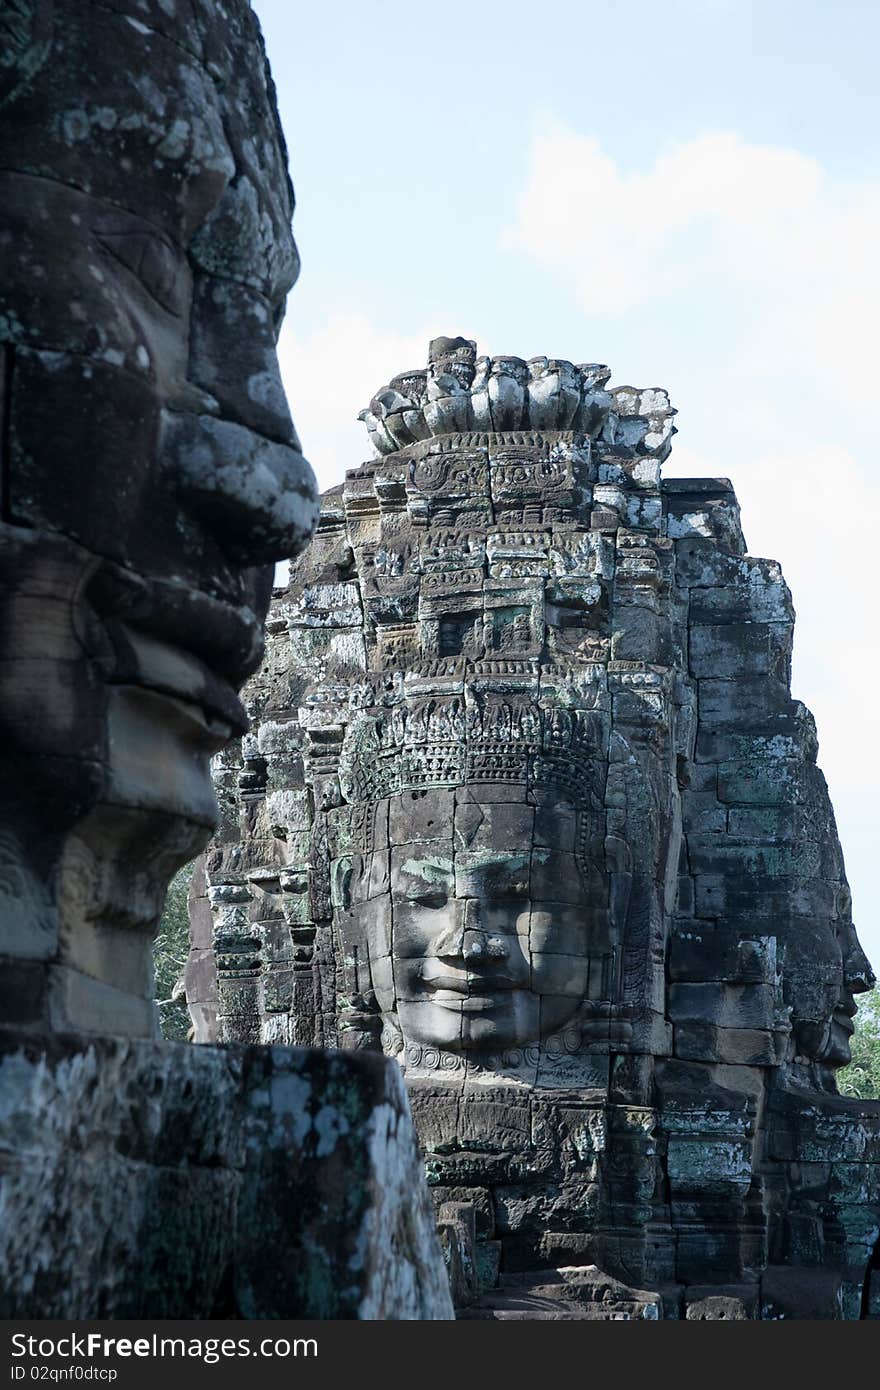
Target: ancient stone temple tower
{"x": 528, "y": 805}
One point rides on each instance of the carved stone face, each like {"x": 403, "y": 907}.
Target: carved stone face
{"x": 825, "y": 969}
{"x": 491, "y": 933}
{"x": 152, "y": 471}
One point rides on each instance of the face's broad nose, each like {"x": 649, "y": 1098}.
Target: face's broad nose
{"x": 464, "y": 938}
{"x": 474, "y": 945}
{"x": 233, "y": 356}
{"x": 857, "y": 972}
{"x": 449, "y": 943}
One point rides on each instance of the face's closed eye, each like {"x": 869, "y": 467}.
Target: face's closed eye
{"x": 432, "y": 898}
{"x": 509, "y": 890}
{"x": 152, "y": 260}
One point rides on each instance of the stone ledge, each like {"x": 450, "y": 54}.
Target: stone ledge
{"x": 160, "y": 1180}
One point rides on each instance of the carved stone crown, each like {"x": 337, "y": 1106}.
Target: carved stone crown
{"x": 452, "y": 743}
{"x": 460, "y": 392}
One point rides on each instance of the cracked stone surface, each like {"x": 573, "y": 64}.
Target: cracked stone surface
{"x": 527, "y": 804}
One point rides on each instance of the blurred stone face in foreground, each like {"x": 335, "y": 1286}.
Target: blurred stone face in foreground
{"x": 150, "y": 477}
{"x": 151, "y": 472}
{"x": 528, "y": 805}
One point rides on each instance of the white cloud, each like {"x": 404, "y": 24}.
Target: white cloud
{"x": 762, "y": 228}
{"x": 775, "y": 259}
{"x": 331, "y": 374}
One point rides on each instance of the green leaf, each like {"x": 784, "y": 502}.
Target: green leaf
{"x": 862, "y": 1077}
{"x": 170, "y": 951}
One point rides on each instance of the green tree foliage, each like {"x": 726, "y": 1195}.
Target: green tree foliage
{"x": 862, "y": 1077}
{"x": 169, "y": 957}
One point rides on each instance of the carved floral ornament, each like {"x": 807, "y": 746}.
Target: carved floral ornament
{"x": 460, "y": 392}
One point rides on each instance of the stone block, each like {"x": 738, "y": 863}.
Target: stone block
{"x": 767, "y": 823}
{"x": 757, "y": 594}
{"x": 505, "y": 1117}
{"x": 572, "y": 1207}
{"x": 701, "y": 777}
{"x": 425, "y": 871}
{"x": 555, "y": 876}
{"x": 636, "y": 634}
{"x": 78, "y": 1003}
{"x": 721, "y": 1302}
{"x": 725, "y": 1005}
{"x": 701, "y": 562}
{"x": 555, "y": 827}
{"x": 488, "y": 1264}
{"x": 493, "y": 825}
{"x": 24, "y": 994}
{"x": 709, "y": 1163}
{"x": 733, "y": 651}
{"x": 707, "y": 1255}
{"x": 755, "y": 861}
{"x": 742, "y": 703}
{"x": 761, "y": 900}
{"x": 420, "y": 816}
{"x": 704, "y": 952}
{"x": 702, "y": 812}
{"x": 458, "y": 1242}
{"x": 478, "y": 871}
{"x": 479, "y": 1199}
{"x": 749, "y": 1047}
{"x": 802, "y": 1293}
{"x": 149, "y": 1179}
{"x": 492, "y": 791}
{"x": 786, "y": 735}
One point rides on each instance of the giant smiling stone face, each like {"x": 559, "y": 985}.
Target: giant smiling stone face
{"x": 474, "y": 892}
{"x": 825, "y": 968}
{"x": 492, "y": 934}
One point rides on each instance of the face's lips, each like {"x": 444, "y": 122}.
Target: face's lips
{"x": 177, "y": 641}
{"x": 141, "y": 660}
{"x": 228, "y": 636}
{"x": 843, "y": 1018}
{"x": 478, "y": 1003}
{"x": 470, "y": 984}
{"x": 457, "y": 1002}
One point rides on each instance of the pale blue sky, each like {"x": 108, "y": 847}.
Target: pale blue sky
{"x": 688, "y": 191}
